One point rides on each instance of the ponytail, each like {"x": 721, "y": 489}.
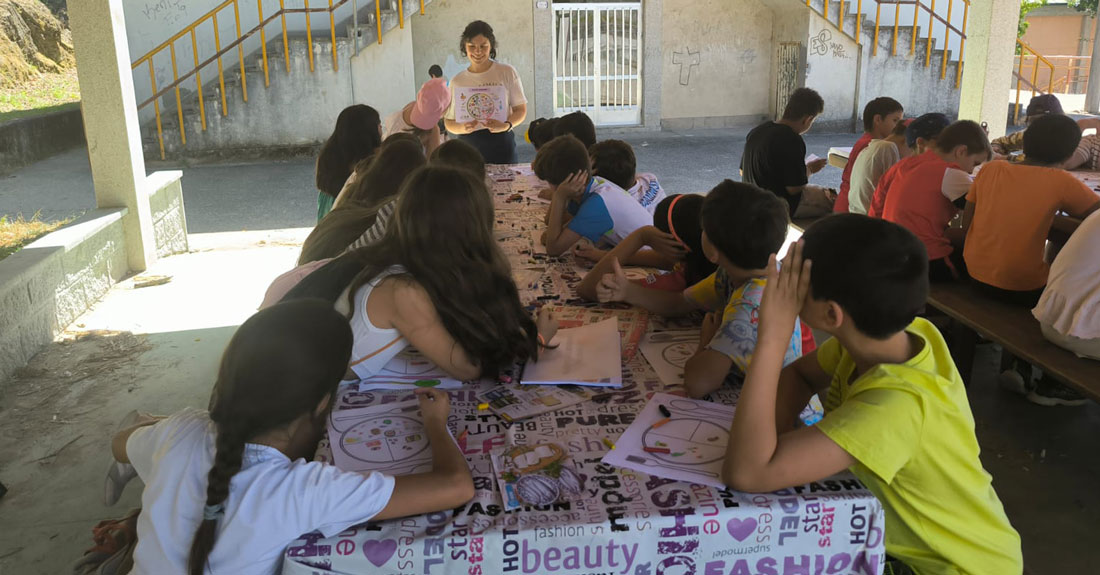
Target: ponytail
{"x": 229, "y": 454}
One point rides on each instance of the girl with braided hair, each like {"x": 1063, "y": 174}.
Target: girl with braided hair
{"x": 227, "y": 491}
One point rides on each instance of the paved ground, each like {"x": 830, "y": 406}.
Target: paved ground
{"x": 157, "y": 348}
{"x": 276, "y": 195}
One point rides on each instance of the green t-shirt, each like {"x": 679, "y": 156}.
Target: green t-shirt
{"x": 910, "y": 428}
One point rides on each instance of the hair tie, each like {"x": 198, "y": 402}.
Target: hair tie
{"x": 213, "y": 512}
{"x": 672, "y": 228}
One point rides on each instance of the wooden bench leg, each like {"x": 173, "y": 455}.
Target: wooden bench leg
{"x": 962, "y": 344}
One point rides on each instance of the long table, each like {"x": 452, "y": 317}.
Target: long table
{"x": 629, "y": 523}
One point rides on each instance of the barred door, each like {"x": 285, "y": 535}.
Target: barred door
{"x": 598, "y": 61}
{"x": 790, "y": 54}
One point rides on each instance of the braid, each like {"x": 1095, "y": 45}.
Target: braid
{"x": 229, "y": 453}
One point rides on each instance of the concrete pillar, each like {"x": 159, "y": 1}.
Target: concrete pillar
{"x": 987, "y": 71}
{"x": 543, "y": 19}
{"x": 1092, "y": 92}
{"x": 111, "y": 121}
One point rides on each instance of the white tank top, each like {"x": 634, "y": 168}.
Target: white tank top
{"x": 373, "y": 347}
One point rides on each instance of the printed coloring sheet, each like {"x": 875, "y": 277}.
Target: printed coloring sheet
{"x": 409, "y": 369}
{"x": 668, "y": 352}
{"x": 480, "y": 104}
{"x": 386, "y": 438}
{"x": 688, "y": 445}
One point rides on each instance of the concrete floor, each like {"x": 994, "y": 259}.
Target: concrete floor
{"x": 157, "y": 348}
{"x": 281, "y": 194}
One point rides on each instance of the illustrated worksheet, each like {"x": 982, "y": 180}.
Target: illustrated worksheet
{"x": 480, "y": 104}
{"x": 676, "y": 438}
{"x": 388, "y": 438}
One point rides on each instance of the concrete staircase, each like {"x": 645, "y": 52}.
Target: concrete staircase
{"x": 297, "y": 109}
{"x": 903, "y": 75}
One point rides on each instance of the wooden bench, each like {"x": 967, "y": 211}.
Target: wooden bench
{"x": 1016, "y": 330}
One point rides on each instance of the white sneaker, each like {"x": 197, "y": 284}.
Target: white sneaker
{"x": 1011, "y": 380}
{"x": 119, "y": 474}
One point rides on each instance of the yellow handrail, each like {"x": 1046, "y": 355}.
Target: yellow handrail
{"x": 918, "y": 5}
{"x": 1024, "y": 50}
{"x": 400, "y": 14}
{"x": 212, "y": 16}
{"x": 378, "y": 19}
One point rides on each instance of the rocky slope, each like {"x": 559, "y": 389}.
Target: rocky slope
{"x": 32, "y": 40}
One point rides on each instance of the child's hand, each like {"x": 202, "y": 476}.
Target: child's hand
{"x": 664, "y": 244}
{"x": 613, "y": 286}
{"x": 817, "y": 165}
{"x": 547, "y": 325}
{"x": 784, "y": 294}
{"x": 435, "y": 405}
{"x": 586, "y": 251}
{"x": 573, "y": 186}
{"x": 711, "y": 322}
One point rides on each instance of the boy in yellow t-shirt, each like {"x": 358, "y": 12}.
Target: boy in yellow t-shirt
{"x": 896, "y": 412}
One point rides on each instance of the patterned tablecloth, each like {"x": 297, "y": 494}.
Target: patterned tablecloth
{"x": 627, "y": 523}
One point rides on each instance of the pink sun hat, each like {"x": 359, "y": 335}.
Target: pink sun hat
{"x": 431, "y": 103}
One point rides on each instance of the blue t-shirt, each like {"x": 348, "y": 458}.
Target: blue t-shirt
{"x": 607, "y": 212}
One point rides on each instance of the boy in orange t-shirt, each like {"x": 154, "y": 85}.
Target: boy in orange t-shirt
{"x": 1011, "y": 207}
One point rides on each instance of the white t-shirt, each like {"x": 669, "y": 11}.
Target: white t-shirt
{"x": 871, "y": 164}
{"x": 498, "y": 74}
{"x": 272, "y": 500}
{"x": 606, "y": 213}
{"x": 1070, "y": 304}
{"x": 395, "y": 123}
{"x": 648, "y": 191}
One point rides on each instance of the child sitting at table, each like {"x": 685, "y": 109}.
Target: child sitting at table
{"x": 896, "y": 411}
{"x": 927, "y": 191}
{"x": 1011, "y": 207}
{"x": 437, "y": 280}
{"x": 1067, "y": 310}
{"x": 540, "y": 131}
{"x": 742, "y": 224}
{"x": 577, "y": 124}
{"x": 227, "y": 490}
{"x": 920, "y": 134}
{"x": 1039, "y": 106}
{"x": 877, "y": 159}
{"x": 673, "y": 242}
{"x": 880, "y": 117}
{"x": 583, "y": 206}
{"x": 355, "y": 209}
{"x": 614, "y": 161}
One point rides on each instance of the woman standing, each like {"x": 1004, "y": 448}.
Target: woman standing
{"x": 487, "y": 98}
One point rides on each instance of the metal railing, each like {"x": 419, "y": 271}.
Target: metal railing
{"x": 1071, "y": 73}
{"x": 1027, "y": 51}
{"x": 918, "y": 5}
{"x": 219, "y": 51}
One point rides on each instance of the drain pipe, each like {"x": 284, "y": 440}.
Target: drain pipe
{"x": 858, "y": 91}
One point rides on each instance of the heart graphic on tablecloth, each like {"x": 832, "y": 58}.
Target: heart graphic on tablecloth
{"x": 740, "y": 529}
{"x": 378, "y": 552}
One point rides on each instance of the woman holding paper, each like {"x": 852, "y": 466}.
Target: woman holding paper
{"x": 487, "y": 98}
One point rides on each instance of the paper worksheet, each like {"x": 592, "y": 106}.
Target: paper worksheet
{"x": 668, "y": 351}
{"x": 409, "y": 369}
{"x": 514, "y": 402}
{"x": 388, "y": 438}
{"x": 812, "y": 158}
{"x": 480, "y": 104}
{"x": 688, "y": 445}
{"x": 587, "y": 355}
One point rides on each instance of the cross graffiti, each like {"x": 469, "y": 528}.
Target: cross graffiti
{"x": 686, "y": 65}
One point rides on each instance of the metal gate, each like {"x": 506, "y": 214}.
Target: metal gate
{"x": 790, "y": 55}
{"x": 598, "y": 61}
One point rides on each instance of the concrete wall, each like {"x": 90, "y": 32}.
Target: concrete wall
{"x": 169, "y": 217}
{"x": 299, "y": 109}
{"x": 713, "y": 49}
{"x": 832, "y": 62}
{"x": 149, "y": 23}
{"x": 49, "y": 283}
{"x": 46, "y": 285}
{"x": 27, "y": 140}
{"x": 436, "y": 34}
{"x": 1060, "y": 31}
